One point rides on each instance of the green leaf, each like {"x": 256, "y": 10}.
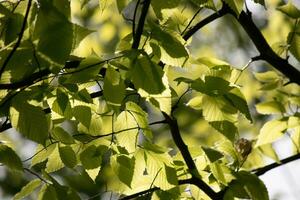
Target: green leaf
{"x": 168, "y": 46}
{"x": 238, "y": 100}
{"x": 62, "y": 105}
{"x": 159, "y": 6}
{"x": 261, "y": 2}
{"x": 54, "y": 162}
{"x": 9, "y": 158}
{"x": 147, "y": 75}
{"x": 270, "y": 107}
{"x": 123, "y": 167}
{"x": 290, "y": 10}
{"x": 114, "y": 87}
{"x": 235, "y": 5}
{"x": 213, "y": 86}
{"x": 217, "y": 171}
{"x": 54, "y": 33}
{"x": 63, "y": 136}
{"x": 127, "y": 138}
{"x": 91, "y": 157}
{"x": 271, "y": 131}
{"x": 217, "y": 109}
{"x": 79, "y": 34}
{"x": 83, "y": 114}
{"x": 95, "y": 125}
{"x": 88, "y": 69}
{"x": 228, "y": 129}
{"x": 247, "y": 185}
{"x": 12, "y": 24}
{"x": 211, "y": 154}
{"x": 29, "y": 120}
{"x": 294, "y": 39}
{"x": 159, "y": 168}
{"x": 42, "y": 153}
{"x": 140, "y": 116}
{"x": 28, "y": 189}
{"x": 47, "y": 193}
{"x": 269, "y": 151}
{"x": 267, "y": 77}
{"x": 68, "y": 156}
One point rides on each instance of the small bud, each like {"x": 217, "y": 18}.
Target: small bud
{"x": 243, "y": 147}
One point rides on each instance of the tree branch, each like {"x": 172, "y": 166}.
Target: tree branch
{"x": 266, "y": 52}
{"x": 223, "y": 11}
{"x": 140, "y": 27}
{"x": 188, "y": 158}
{"x": 18, "y": 41}
{"x": 138, "y": 194}
{"x": 262, "y": 170}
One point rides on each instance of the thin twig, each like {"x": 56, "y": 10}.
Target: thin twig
{"x": 18, "y": 41}
{"x": 140, "y": 27}
{"x": 134, "y": 17}
{"x": 260, "y": 171}
{"x": 35, "y": 174}
{"x": 191, "y": 21}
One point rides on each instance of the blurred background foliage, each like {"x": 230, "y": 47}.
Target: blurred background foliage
{"x": 223, "y": 39}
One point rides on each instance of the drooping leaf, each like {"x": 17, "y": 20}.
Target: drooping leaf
{"x": 30, "y": 121}
{"x": 270, "y": 107}
{"x": 168, "y": 46}
{"x": 68, "y": 156}
{"x": 123, "y": 167}
{"x": 91, "y": 157}
{"x": 147, "y": 75}
{"x": 228, "y": 129}
{"x": 247, "y": 185}
{"x": 54, "y": 162}
{"x": 211, "y": 154}
{"x": 42, "y": 153}
{"x": 47, "y": 193}
{"x": 114, "y": 87}
{"x": 217, "y": 109}
{"x": 261, "y": 2}
{"x": 63, "y": 136}
{"x": 236, "y": 5}
{"x": 28, "y": 189}
{"x": 127, "y": 138}
{"x": 294, "y": 38}
{"x": 290, "y": 10}
{"x": 95, "y": 126}
{"x": 62, "y": 105}
{"x": 158, "y": 6}
{"x": 271, "y": 131}
{"x": 9, "y": 158}
{"x": 54, "y": 33}
{"x": 140, "y": 117}
{"x": 238, "y": 100}
{"x": 88, "y": 69}
{"x": 83, "y": 114}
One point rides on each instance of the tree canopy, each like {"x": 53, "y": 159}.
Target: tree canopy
{"x": 146, "y": 99}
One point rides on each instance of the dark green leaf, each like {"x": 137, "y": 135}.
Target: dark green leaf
{"x": 9, "y": 158}
{"x": 147, "y": 75}
{"x": 114, "y": 87}
{"x": 83, "y": 114}
{"x": 68, "y": 156}
{"x": 63, "y": 136}
{"x": 30, "y": 121}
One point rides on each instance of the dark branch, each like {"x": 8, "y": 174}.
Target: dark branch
{"x": 18, "y": 41}
{"x": 140, "y": 27}
{"x": 262, "y": 170}
{"x": 142, "y": 193}
{"x": 266, "y": 52}
{"x": 204, "y": 22}
{"x": 25, "y": 82}
{"x": 188, "y": 158}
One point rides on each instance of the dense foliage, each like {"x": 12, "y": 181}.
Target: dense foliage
{"x": 123, "y": 103}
